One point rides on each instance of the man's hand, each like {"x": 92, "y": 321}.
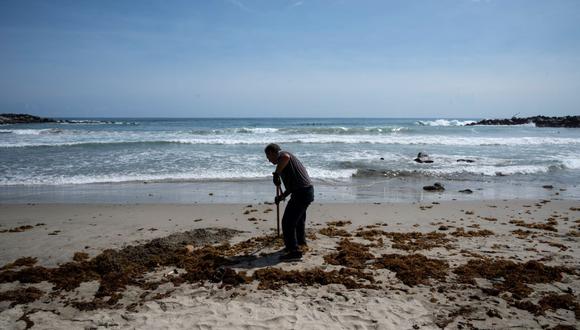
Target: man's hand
{"x": 278, "y": 199}
{"x": 276, "y": 179}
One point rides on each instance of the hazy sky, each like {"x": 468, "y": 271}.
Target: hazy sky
{"x": 314, "y": 58}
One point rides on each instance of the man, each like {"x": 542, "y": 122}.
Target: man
{"x": 299, "y": 187}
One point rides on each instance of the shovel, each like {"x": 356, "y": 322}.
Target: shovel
{"x": 278, "y": 191}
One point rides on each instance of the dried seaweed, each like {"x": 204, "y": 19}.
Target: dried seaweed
{"x": 17, "y": 229}
{"x": 413, "y": 269}
{"x": 21, "y": 262}
{"x": 115, "y": 269}
{"x": 414, "y": 241}
{"x": 551, "y": 302}
{"x": 334, "y": 232}
{"x": 350, "y": 254}
{"x": 549, "y": 226}
{"x": 515, "y": 275}
{"x": 339, "y": 223}
{"x": 21, "y": 295}
{"x": 372, "y": 234}
{"x": 460, "y": 232}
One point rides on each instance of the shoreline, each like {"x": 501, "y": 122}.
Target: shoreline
{"x": 356, "y": 190}
{"x": 453, "y": 234}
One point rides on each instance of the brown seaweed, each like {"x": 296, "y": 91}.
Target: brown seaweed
{"x": 413, "y": 269}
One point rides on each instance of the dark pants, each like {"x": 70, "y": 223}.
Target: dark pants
{"x": 294, "y": 219}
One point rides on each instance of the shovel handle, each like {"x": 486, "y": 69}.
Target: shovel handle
{"x": 278, "y": 210}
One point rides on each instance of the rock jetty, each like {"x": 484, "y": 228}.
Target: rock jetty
{"x": 539, "y": 121}
{"x": 20, "y": 118}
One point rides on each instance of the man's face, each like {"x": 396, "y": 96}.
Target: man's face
{"x": 272, "y": 157}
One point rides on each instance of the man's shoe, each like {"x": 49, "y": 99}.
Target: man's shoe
{"x": 291, "y": 256}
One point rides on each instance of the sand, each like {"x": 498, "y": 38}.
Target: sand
{"x": 534, "y": 235}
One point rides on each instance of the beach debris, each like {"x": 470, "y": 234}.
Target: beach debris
{"x": 549, "y": 226}
{"x": 339, "y": 223}
{"x": 413, "y": 269}
{"x": 466, "y": 191}
{"x": 17, "y": 229}
{"x": 515, "y": 275}
{"x": 423, "y": 158}
{"x": 189, "y": 248}
{"x": 80, "y": 256}
{"x": 522, "y": 233}
{"x": 21, "y": 262}
{"x": 551, "y": 301}
{"x": 562, "y": 247}
{"x": 21, "y": 295}
{"x": 411, "y": 241}
{"x": 332, "y": 231}
{"x": 460, "y": 232}
{"x": 435, "y": 187}
{"x": 350, "y": 254}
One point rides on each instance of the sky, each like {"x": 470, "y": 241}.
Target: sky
{"x": 290, "y": 58}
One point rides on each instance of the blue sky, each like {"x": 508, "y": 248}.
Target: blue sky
{"x": 269, "y": 58}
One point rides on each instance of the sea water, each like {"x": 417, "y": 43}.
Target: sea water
{"x": 222, "y": 159}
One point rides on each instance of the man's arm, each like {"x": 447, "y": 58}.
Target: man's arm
{"x": 282, "y": 162}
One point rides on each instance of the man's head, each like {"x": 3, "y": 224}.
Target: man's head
{"x": 272, "y": 151}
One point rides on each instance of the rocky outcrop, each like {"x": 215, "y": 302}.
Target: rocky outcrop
{"x": 435, "y": 187}
{"x": 20, "y": 118}
{"x": 423, "y": 158}
{"x": 539, "y": 121}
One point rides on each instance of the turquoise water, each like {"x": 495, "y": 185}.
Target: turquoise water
{"x": 339, "y": 153}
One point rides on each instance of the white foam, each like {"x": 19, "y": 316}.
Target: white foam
{"x": 445, "y": 122}
{"x": 261, "y": 139}
{"x": 571, "y": 163}
{"x": 198, "y": 175}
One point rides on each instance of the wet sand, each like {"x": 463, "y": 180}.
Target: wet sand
{"x": 444, "y": 243}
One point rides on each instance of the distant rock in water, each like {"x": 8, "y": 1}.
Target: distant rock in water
{"x": 423, "y": 158}
{"x": 539, "y": 121}
{"x": 466, "y": 160}
{"x": 20, "y": 118}
{"x": 466, "y": 191}
{"x": 435, "y": 187}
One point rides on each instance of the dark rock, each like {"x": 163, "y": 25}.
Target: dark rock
{"x": 539, "y": 121}
{"x": 466, "y": 160}
{"x": 466, "y": 191}
{"x": 423, "y": 158}
{"x": 435, "y": 187}
{"x": 548, "y": 186}
{"x": 20, "y": 118}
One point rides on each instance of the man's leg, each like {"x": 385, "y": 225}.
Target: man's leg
{"x": 300, "y": 226}
{"x": 289, "y": 222}
{"x": 300, "y": 229}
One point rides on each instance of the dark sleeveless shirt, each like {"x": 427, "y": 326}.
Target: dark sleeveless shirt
{"x": 294, "y": 175}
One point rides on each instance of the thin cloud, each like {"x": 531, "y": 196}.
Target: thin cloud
{"x": 240, "y": 5}
{"x": 296, "y": 4}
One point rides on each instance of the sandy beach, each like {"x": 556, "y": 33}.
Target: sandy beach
{"x": 452, "y": 264}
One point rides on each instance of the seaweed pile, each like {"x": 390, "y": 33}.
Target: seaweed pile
{"x": 515, "y": 275}
{"x": 350, "y": 254}
{"x": 411, "y": 241}
{"x": 413, "y": 269}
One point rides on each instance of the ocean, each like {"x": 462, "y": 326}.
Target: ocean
{"x": 222, "y": 160}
